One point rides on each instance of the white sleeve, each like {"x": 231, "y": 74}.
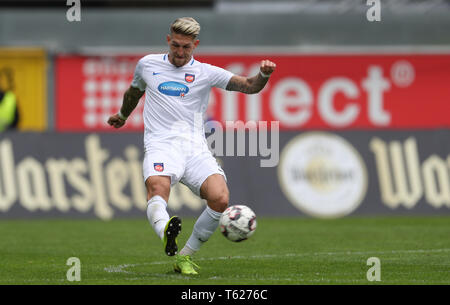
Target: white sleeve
{"x": 218, "y": 77}
{"x": 138, "y": 80}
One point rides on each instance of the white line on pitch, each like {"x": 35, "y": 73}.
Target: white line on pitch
{"x": 121, "y": 268}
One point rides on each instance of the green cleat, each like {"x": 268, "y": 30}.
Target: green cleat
{"x": 184, "y": 265}
{"x": 171, "y": 231}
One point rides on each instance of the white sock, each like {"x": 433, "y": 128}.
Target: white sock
{"x": 187, "y": 251}
{"x": 157, "y": 214}
{"x": 204, "y": 227}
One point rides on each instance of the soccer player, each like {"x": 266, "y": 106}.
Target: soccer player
{"x": 177, "y": 89}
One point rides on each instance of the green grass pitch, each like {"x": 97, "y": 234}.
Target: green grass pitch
{"x": 412, "y": 250}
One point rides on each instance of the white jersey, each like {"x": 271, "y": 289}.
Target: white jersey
{"x": 175, "y": 94}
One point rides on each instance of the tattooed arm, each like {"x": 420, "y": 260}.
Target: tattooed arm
{"x": 251, "y": 85}
{"x": 130, "y": 101}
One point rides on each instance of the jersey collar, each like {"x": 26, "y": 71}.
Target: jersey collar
{"x": 166, "y": 58}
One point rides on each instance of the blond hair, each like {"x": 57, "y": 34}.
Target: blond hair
{"x": 186, "y": 26}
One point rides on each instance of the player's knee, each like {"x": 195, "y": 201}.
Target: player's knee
{"x": 221, "y": 202}
{"x": 158, "y": 187}
{"x": 155, "y": 189}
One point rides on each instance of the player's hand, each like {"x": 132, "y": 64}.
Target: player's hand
{"x": 115, "y": 121}
{"x": 267, "y": 67}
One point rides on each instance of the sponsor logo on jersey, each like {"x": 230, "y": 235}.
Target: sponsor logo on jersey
{"x": 173, "y": 89}
{"x": 189, "y": 77}
{"x": 159, "y": 167}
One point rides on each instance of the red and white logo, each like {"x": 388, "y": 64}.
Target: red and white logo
{"x": 189, "y": 77}
{"x": 159, "y": 167}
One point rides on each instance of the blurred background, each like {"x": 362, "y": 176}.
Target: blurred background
{"x": 360, "y": 93}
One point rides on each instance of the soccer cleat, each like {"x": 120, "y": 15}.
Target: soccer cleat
{"x": 171, "y": 231}
{"x": 184, "y": 265}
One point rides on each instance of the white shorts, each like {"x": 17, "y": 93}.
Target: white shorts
{"x": 188, "y": 166}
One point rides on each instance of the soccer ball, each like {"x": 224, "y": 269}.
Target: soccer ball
{"x": 238, "y": 223}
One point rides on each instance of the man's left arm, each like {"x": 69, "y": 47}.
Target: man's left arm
{"x": 252, "y": 85}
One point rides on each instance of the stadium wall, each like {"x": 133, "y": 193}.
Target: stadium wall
{"x": 358, "y": 134}
{"x": 325, "y": 174}
{"x": 221, "y": 28}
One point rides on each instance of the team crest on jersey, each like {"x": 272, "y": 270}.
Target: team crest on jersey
{"x": 189, "y": 77}
{"x": 159, "y": 167}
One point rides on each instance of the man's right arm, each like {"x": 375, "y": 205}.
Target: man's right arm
{"x": 130, "y": 100}
{"x": 252, "y": 85}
